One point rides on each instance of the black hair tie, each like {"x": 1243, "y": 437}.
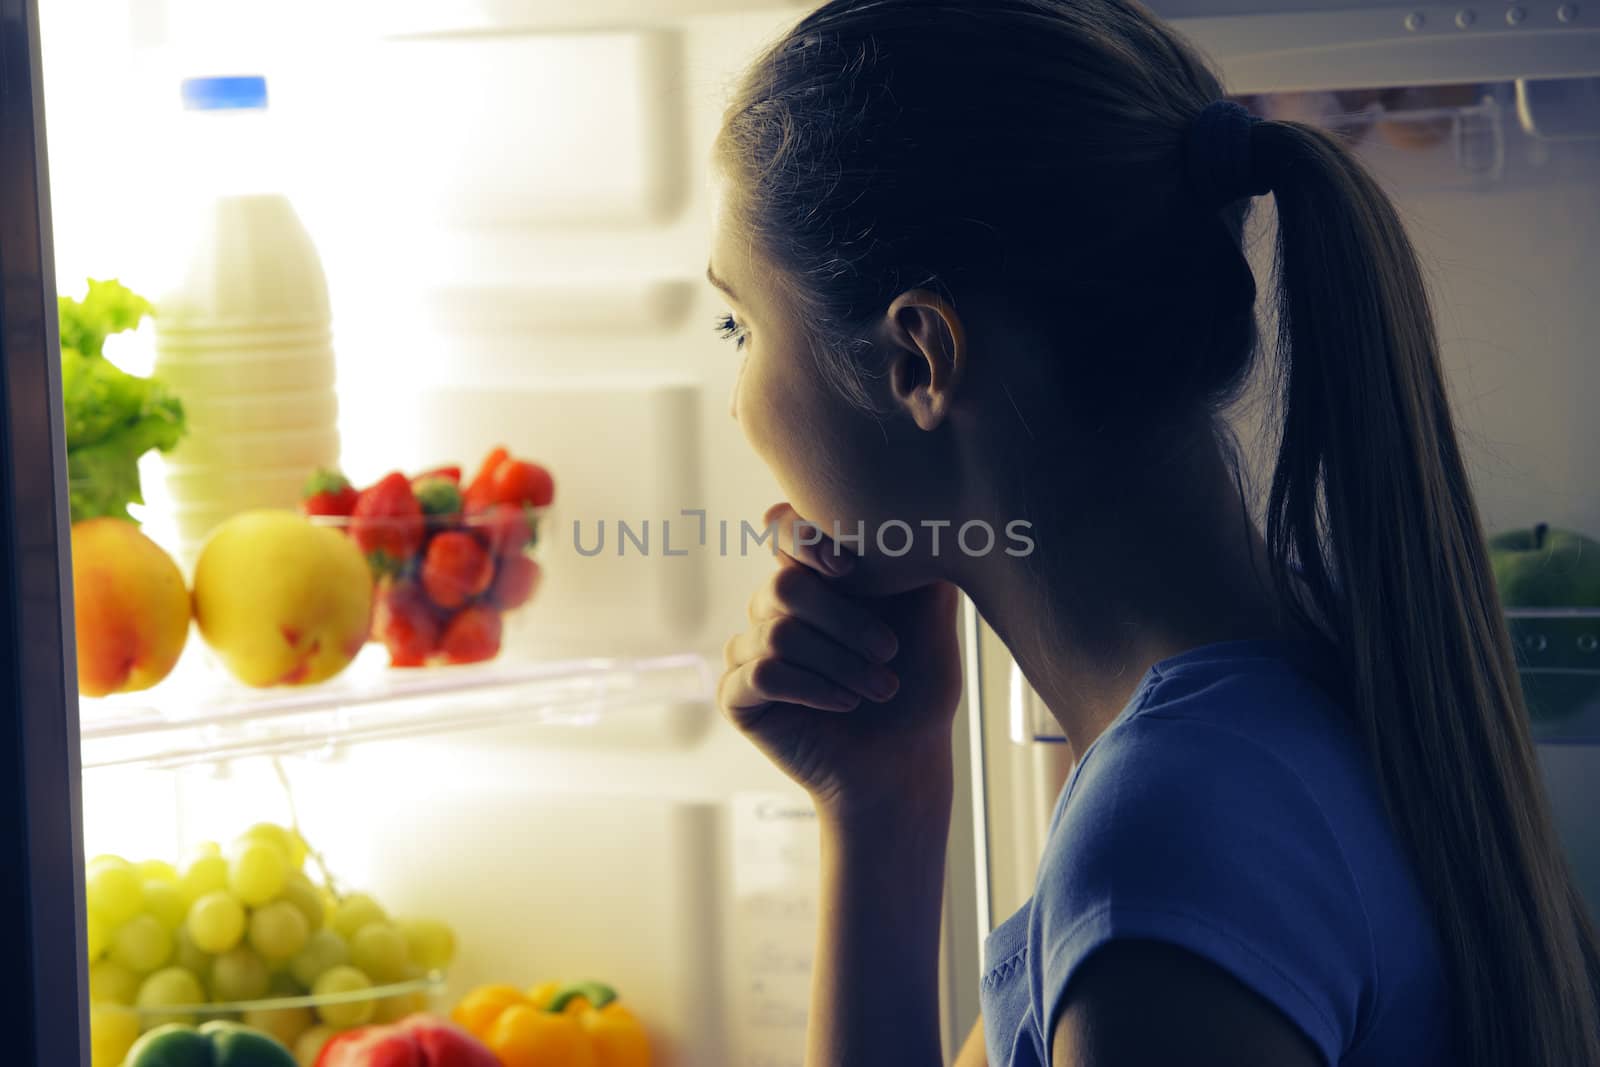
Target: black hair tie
{"x": 1217, "y": 167}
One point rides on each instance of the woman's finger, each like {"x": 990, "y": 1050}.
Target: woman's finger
{"x": 797, "y": 590}
{"x": 793, "y": 640}
{"x": 807, "y": 543}
{"x": 758, "y": 682}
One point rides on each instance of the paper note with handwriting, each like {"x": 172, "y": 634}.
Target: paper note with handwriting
{"x": 775, "y": 870}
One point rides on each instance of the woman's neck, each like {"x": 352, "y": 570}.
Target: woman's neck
{"x": 1125, "y": 578}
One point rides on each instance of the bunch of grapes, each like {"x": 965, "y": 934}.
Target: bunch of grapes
{"x": 245, "y": 924}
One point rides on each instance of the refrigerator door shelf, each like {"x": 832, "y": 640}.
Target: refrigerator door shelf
{"x": 655, "y": 701}
{"x": 1434, "y": 137}
{"x": 1558, "y": 655}
{"x": 1289, "y": 45}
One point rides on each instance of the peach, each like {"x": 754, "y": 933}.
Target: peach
{"x": 130, "y": 605}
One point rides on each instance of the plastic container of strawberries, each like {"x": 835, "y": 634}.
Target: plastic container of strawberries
{"x": 444, "y": 585}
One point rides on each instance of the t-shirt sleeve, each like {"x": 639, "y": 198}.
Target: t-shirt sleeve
{"x": 1190, "y": 834}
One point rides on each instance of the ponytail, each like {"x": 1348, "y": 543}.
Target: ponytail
{"x": 1370, "y": 497}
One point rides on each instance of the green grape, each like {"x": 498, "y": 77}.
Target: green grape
{"x": 165, "y": 901}
{"x": 188, "y": 955}
{"x": 112, "y": 983}
{"x": 343, "y": 979}
{"x": 115, "y": 893}
{"x": 298, "y": 890}
{"x": 102, "y": 861}
{"x": 429, "y": 942}
{"x": 278, "y": 930}
{"x": 379, "y": 949}
{"x": 257, "y": 872}
{"x": 112, "y": 1031}
{"x": 207, "y": 874}
{"x": 141, "y": 944}
{"x": 394, "y": 1008}
{"x": 98, "y": 936}
{"x": 171, "y": 987}
{"x": 238, "y": 974}
{"x": 354, "y": 912}
{"x": 216, "y": 922}
{"x": 308, "y": 1046}
{"x": 156, "y": 871}
{"x": 293, "y": 845}
{"x": 205, "y": 848}
{"x": 285, "y": 1024}
{"x": 324, "y": 950}
{"x": 282, "y": 984}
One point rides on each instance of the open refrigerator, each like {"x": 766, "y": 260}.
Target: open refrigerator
{"x": 511, "y": 200}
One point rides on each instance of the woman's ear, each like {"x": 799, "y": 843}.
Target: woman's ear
{"x": 927, "y": 355}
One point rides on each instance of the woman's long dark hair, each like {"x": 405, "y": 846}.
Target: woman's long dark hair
{"x": 1037, "y": 145}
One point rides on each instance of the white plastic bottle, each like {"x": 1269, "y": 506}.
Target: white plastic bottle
{"x": 244, "y": 335}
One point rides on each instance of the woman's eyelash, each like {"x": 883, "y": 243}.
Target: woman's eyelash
{"x": 729, "y": 329}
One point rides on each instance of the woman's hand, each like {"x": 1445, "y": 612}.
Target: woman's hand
{"x": 852, "y": 696}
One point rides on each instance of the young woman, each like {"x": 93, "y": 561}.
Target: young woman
{"x": 983, "y": 260}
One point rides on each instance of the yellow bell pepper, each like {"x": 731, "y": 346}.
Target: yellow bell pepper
{"x": 524, "y": 1036}
{"x": 616, "y": 1036}
{"x": 580, "y": 1024}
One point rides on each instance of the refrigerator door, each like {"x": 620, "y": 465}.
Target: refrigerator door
{"x": 41, "y": 872}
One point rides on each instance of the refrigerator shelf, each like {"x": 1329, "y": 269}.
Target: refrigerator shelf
{"x": 216, "y": 720}
{"x": 432, "y": 983}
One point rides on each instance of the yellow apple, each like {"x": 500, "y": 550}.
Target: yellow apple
{"x": 130, "y": 607}
{"x": 282, "y": 601}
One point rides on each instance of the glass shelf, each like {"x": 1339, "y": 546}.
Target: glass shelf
{"x": 431, "y": 983}
{"x": 210, "y": 719}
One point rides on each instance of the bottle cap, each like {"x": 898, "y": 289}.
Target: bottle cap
{"x": 225, "y": 94}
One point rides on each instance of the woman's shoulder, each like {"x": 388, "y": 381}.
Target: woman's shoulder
{"x": 1231, "y": 811}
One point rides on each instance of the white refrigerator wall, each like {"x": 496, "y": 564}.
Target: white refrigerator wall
{"x": 515, "y": 231}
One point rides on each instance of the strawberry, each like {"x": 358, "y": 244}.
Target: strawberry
{"x": 507, "y": 527}
{"x": 451, "y": 474}
{"x": 405, "y": 622}
{"x": 387, "y": 522}
{"x": 472, "y": 635}
{"x": 437, "y": 495}
{"x": 515, "y": 580}
{"x": 516, "y": 481}
{"x": 455, "y": 569}
{"x": 328, "y": 492}
{"x": 479, "y": 494}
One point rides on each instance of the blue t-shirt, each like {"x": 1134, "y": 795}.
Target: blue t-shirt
{"x": 1229, "y": 810}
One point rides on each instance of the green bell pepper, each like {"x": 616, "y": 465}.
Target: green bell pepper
{"x": 213, "y": 1044}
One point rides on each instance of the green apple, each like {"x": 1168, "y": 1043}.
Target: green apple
{"x": 1545, "y": 567}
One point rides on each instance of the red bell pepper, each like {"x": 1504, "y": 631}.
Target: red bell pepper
{"x": 416, "y": 1041}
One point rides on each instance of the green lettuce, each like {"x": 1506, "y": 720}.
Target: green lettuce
{"x": 112, "y": 417}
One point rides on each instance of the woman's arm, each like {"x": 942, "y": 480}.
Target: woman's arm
{"x": 874, "y": 989}
{"x": 1138, "y": 1002}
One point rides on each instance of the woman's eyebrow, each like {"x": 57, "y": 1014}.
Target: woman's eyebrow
{"x": 719, "y": 283}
